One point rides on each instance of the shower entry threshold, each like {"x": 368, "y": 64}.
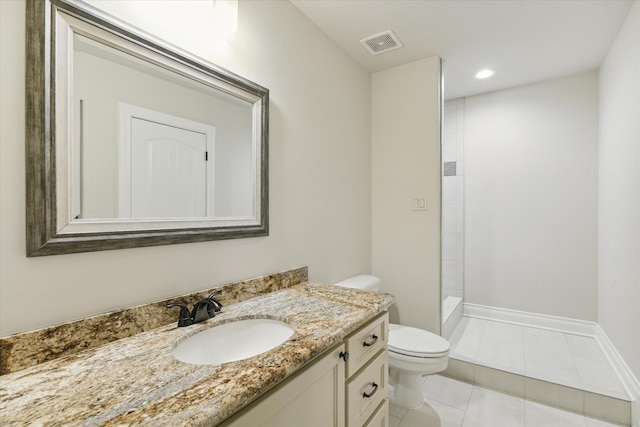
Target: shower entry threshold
{"x": 562, "y": 369}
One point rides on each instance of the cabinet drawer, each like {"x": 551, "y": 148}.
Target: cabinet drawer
{"x": 365, "y": 343}
{"x": 380, "y": 417}
{"x": 366, "y": 390}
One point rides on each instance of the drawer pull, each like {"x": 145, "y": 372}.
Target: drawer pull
{"x": 374, "y": 338}
{"x": 344, "y": 355}
{"x": 373, "y": 391}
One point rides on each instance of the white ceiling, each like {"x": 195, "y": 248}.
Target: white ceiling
{"x": 525, "y": 41}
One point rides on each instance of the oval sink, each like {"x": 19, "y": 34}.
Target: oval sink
{"x": 232, "y": 341}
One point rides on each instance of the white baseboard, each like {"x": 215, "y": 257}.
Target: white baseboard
{"x": 628, "y": 380}
{"x": 542, "y": 321}
{"x": 566, "y": 325}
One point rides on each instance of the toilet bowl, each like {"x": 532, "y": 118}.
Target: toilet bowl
{"x": 413, "y": 352}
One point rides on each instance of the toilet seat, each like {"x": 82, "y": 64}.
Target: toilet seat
{"x": 415, "y": 342}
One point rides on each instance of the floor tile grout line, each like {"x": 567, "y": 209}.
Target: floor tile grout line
{"x": 575, "y": 365}
{"x": 466, "y": 407}
{"x": 482, "y": 333}
{"x": 524, "y": 362}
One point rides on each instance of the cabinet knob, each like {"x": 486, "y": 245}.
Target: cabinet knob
{"x": 344, "y": 355}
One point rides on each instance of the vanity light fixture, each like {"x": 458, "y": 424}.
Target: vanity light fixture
{"x": 484, "y": 73}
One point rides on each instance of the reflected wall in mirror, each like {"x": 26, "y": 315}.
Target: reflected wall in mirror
{"x": 131, "y": 142}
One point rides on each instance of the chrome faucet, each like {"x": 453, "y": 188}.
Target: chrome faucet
{"x": 204, "y": 309}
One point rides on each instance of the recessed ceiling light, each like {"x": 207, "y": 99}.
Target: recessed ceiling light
{"x": 484, "y": 74}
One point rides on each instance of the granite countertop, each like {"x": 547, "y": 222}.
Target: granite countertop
{"x": 137, "y": 381}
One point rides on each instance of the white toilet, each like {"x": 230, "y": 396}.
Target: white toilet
{"x": 413, "y": 352}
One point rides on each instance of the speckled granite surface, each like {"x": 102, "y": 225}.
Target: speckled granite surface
{"x": 136, "y": 380}
{"x": 28, "y": 349}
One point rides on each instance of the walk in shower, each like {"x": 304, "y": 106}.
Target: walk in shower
{"x": 519, "y": 247}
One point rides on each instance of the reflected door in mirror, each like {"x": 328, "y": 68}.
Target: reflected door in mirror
{"x": 169, "y": 171}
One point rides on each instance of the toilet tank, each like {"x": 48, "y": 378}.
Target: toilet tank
{"x": 365, "y": 282}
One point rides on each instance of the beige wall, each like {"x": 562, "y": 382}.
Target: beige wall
{"x": 619, "y": 222}
{"x": 320, "y": 178}
{"x": 531, "y": 210}
{"x": 406, "y": 164}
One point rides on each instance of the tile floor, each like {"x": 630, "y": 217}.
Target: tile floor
{"x": 451, "y": 403}
{"x": 563, "y": 358}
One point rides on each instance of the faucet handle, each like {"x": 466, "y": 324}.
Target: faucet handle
{"x": 216, "y": 304}
{"x": 185, "y": 317}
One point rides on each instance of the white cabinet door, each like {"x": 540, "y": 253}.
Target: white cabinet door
{"x": 313, "y": 398}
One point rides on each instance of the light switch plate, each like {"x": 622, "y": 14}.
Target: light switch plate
{"x": 419, "y": 203}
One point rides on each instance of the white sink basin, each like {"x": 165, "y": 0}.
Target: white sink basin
{"x": 232, "y": 341}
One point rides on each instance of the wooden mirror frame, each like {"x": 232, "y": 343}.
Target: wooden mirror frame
{"x": 43, "y": 220}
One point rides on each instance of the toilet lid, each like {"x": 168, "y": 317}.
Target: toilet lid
{"x": 416, "y": 342}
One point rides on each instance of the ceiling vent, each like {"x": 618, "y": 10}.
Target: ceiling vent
{"x": 381, "y": 43}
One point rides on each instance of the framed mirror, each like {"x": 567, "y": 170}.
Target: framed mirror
{"x": 132, "y": 142}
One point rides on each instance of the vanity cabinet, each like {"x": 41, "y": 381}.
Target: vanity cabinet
{"x": 331, "y": 391}
{"x": 313, "y": 397}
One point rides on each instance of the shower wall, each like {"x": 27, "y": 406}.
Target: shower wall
{"x": 619, "y": 217}
{"x": 531, "y": 197}
{"x": 452, "y": 200}
{"x": 452, "y": 215}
